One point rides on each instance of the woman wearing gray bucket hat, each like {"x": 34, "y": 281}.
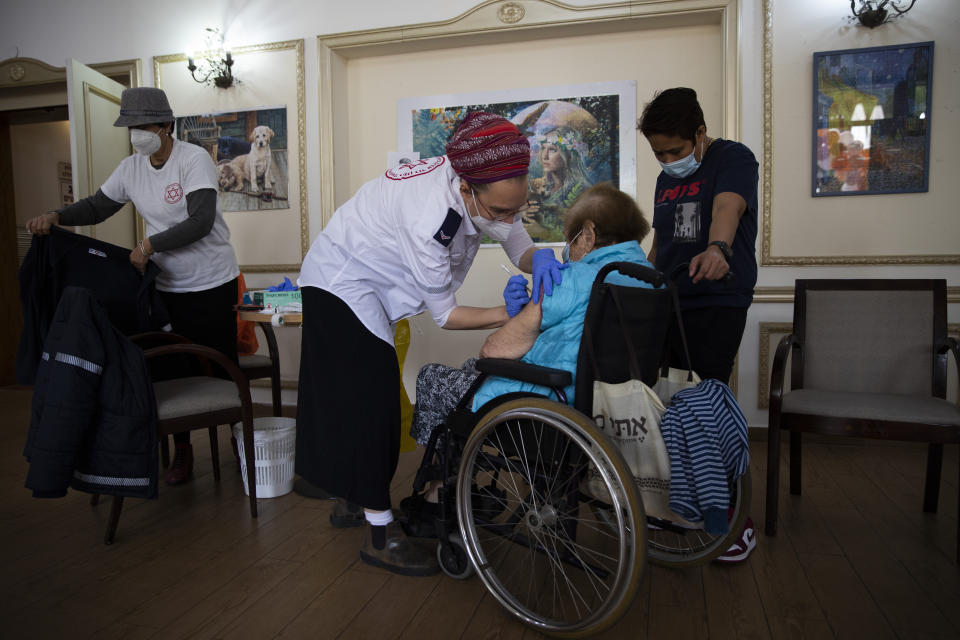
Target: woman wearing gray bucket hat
{"x": 173, "y": 185}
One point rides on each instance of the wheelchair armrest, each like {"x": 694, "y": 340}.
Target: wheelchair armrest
{"x": 525, "y": 372}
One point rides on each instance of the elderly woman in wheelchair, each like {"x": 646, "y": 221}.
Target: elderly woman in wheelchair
{"x": 500, "y": 482}
{"x": 541, "y": 549}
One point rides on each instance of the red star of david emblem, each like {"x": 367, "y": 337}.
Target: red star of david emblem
{"x": 173, "y": 193}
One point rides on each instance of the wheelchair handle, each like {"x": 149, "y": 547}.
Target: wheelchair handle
{"x": 633, "y": 270}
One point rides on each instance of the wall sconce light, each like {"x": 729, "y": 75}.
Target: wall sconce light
{"x": 214, "y": 66}
{"x": 873, "y": 13}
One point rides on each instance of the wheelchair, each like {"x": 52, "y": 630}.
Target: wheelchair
{"x": 566, "y": 561}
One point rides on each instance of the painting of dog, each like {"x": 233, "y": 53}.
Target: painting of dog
{"x": 250, "y": 150}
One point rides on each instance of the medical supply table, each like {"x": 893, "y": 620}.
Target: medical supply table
{"x": 294, "y": 319}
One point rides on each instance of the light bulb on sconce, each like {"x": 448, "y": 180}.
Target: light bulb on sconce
{"x": 215, "y": 64}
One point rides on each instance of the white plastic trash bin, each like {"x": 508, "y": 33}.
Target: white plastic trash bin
{"x": 274, "y": 446}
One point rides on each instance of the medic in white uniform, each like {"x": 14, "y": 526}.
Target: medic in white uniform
{"x": 401, "y": 245}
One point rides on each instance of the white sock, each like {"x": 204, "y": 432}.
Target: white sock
{"x": 378, "y": 518}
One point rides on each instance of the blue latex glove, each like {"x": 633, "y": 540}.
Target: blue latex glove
{"x": 546, "y": 272}
{"x": 515, "y": 295}
{"x": 286, "y": 285}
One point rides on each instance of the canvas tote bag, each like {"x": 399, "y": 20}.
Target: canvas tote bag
{"x": 673, "y": 380}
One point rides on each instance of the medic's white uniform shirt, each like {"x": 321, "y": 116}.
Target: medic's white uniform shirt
{"x": 402, "y": 244}
{"x": 160, "y": 196}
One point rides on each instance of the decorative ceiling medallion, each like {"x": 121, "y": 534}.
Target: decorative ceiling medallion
{"x": 511, "y": 12}
{"x": 16, "y": 72}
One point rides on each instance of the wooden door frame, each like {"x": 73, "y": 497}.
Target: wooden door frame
{"x": 25, "y": 77}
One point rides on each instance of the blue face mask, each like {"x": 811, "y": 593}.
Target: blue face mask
{"x": 565, "y": 252}
{"x": 683, "y": 167}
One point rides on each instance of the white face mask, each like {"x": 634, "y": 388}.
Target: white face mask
{"x": 494, "y": 229}
{"x": 144, "y": 142}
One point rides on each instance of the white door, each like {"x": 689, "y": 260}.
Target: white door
{"x": 97, "y": 147}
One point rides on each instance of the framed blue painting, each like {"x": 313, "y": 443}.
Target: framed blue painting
{"x": 871, "y": 120}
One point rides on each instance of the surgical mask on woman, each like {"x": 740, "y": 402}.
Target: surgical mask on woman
{"x": 565, "y": 252}
{"x": 683, "y": 167}
{"x": 494, "y": 229}
{"x": 144, "y": 142}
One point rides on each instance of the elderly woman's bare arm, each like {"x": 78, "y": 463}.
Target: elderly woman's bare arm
{"x": 516, "y": 337}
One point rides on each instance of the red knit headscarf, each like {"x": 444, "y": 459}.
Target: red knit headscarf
{"x": 487, "y": 148}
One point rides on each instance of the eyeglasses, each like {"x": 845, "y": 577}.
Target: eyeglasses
{"x": 499, "y": 217}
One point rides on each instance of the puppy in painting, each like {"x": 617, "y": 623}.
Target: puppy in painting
{"x": 228, "y": 177}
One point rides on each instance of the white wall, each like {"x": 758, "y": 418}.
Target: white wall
{"x": 108, "y": 30}
{"x": 375, "y": 81}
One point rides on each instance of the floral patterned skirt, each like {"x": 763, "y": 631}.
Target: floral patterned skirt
{"x": 439, "y": 389}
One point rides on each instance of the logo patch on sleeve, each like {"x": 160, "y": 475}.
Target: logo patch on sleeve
{"x": 414, "y": 169}
{"x": 449, "y": 228}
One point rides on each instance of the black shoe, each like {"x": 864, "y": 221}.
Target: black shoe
{"x": 417, "y": 505}
{"x": 399, "y": 554}
{"x": 420, "y": 526}
{"x": 346, "y": 514}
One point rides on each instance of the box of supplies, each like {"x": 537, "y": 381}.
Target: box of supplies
{"x": 274, "y": 298}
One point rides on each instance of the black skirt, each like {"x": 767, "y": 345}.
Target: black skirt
{"x": 348, "y": 405}
{"x": 206, "y": 317}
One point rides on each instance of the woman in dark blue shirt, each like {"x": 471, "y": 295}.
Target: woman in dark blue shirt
{"x": 704, "y": 213}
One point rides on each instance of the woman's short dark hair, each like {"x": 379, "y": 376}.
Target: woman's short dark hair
{"x": 615, "y": 215}
{"x": 672, "y": 112}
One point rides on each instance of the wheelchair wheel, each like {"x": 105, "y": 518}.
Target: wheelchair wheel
{"x": 453, "y": 558}
{"x": 675, "y": 546}
{"x": 531, "y": 532}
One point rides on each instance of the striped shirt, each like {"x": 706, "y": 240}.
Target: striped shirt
{"x": 706, "y": 437}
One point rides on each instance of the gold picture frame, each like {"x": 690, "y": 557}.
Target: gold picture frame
{"x": 254, "y": 66}
{"x": 767, "y": 257}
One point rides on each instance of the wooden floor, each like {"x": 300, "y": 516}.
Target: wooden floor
{"x": 855, "y": 558}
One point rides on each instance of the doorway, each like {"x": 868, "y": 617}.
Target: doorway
{"x": 34, "y": 137}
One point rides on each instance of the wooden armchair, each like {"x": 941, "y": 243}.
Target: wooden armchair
{"x": 197, "y": 402}
{"x": 869, "y": 359}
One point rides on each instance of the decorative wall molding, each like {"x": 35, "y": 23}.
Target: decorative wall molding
{"x": 30, "y": 72}
{"x": 304, "y": 224}
{"x": 784, "y": 295}
{"x": 505, "y": 22}
{"x": 766, "y": 257}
